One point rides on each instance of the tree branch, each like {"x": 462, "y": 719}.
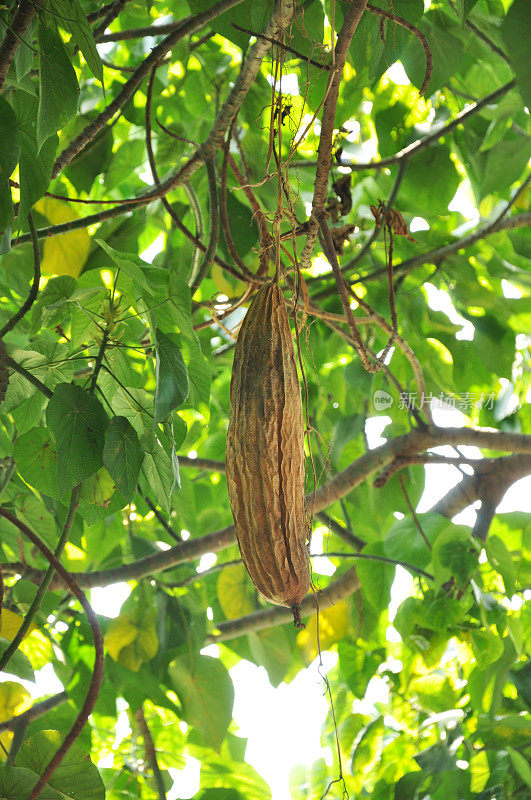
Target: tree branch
{"x": 126, "y": 92}
{"x": 36, "y": 710}
{"x": 13, "y": 36}
{"x": 34, "y": 290}
{"x": 151, "y": 753}
{"x": 328, "y": 117}
{"x": 421, "y": 144}
{"x": 278, "y": 615}
{"x": 440, "y": 253}
{"x": 97, "y": 673}
{"x": 341, "y": 484}
{"x": 491, "y": 479}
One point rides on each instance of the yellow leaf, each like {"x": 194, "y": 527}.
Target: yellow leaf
{"x": 131, "y": 639}
{"x": 66, "y": 253}
{"x": 479, "y": 771}
{"x": 14, "y": 699}
{"x": 119, "y": 635}
{"x": 37, "y": 648}
{"x": 10, "y": 623}
{"x": 333, "y": 626}
{"x": 235, "y": 593}
{"x": 228, "y": 286}
{"x": 98, "y": 489}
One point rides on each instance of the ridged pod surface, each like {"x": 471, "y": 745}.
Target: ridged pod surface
{"x": 265, "y": 454}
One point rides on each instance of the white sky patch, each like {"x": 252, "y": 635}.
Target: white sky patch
{"x": 439, "y": 300}
{"x": 186, "y": 780}
{"x": 154, "y": 248}
{"x": 273, "y": 749}
{"x": 288, "y": 84}
{"x": 463, "y": 202}
{"x": 321, "y": 564}
{"x": 108, "y": 600}
{"x": 320, "y": 265}
{"x": 397, "y": 74}
{"x": 510, "y": 290}
{"x": 418, "y": 224}
{"x": 206, "y": 561}
{"x": 373, "y": 430}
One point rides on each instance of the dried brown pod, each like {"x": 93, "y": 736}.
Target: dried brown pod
{"x": 392, "y": 219}
{"x": 341, "y": 237}
{"x": 342, "y": 188}
{"x": 265, "y": 454}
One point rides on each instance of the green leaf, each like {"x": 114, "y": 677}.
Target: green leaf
{"x": 6, "y": 205}
{"x": 521, "y": 766}
{"x": 486, "y": 646}
{"x": 504, "y": 164}
{"x": 72, "y": 17}
{"x": 130, "y": 264}
{"x": 206, "y": 694}
{"x": 19, "y": 664}
{"x": 455, "y": 554}
{"x": 76, "y": 776}
{"x": 123, "y": 455}
{"x": 91, "y": 161}
{"x": 516, "y": 32}
{"x": 58, "y": 85}
{"x": 242, "y": 227}
{"x": 405, "y": 543}
{"x": 35, "y": 163}
{"x": 430, "y": 197}
{"x": 124, "y": 160}
{"x": 172, "y": 378}
{"x": 447, "y": 52}
{"x": 157, "y": 471}
{"x": 501, "y": 560}
{"x": 271, "y": 649}
{"x": 36, "y": 460}
{"x": 78, "y": 422}
{"x": 16, "y": 783}
{"x": 198, "y": 372}
{"x": 9, "y": 140}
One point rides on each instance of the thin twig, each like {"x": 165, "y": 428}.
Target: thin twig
{"x": 213, "y": 237}
{"x": 36, "y": 710}
{"x": 34, "y": 290}
{"x": 97, "y": 674}
{"x": 151, "y": 753}
{"x": 39, "y": 385}
{"x": 415, "y": 31}
{"x": 413, "y": 512}
{"x": 43, "y": 586}
{"x": 283, "y": 46}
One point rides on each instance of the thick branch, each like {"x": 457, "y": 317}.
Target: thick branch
{"x": 341, "y": 484}
{"x": 157, "y": 54}
{"x": 490, "y": 481}
{"x": 15, "y": 32}
{"x": 277, "y": 615}
{"x": 328, "y": 117}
